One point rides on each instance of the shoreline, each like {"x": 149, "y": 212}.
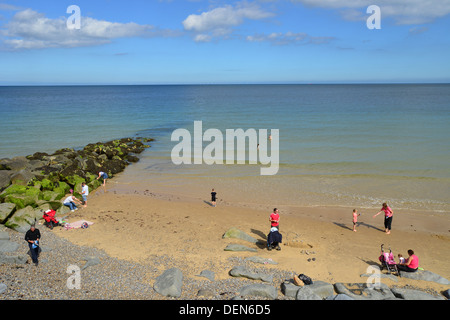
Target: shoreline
{"x": 319, "y": 242}
{"x": 195, "y": 190}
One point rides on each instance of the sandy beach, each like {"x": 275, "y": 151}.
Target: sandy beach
{"x": 133, "y": 223}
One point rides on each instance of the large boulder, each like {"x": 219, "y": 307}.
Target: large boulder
{"x": 169, "y": 283}
{"x": 5, "y": 179}
{"x": 21, "y": 196}
{"x": 5, "y": 210}
{"x": 22, "y": 219}
{"x": 238, "y": 234}
{"x": 14, "y": 164}
{"x": 22, "y": 177}
{"x": 321, "y": 288}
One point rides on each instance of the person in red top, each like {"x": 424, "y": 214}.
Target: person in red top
{"x": 388, "y": 213}
{"x": 275, "y": 219}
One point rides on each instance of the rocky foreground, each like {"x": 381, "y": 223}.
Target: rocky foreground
{"x": 162, "y": 277}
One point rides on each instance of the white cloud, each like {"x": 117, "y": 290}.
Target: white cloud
{"x": 29, "y": 29}
{"x": 220, "y": 21}
{"x": 280, "y": 38}
{"x": 402, "y": 11}
{"x": 8, "y": 7}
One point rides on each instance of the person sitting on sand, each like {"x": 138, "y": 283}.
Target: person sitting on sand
{"x": 388, "y": 213}
{"x": 411, "y": 264}
{"x": 70, "y": 202}
{"x": 104, "y": 176}
{"x": 401, "y": 259}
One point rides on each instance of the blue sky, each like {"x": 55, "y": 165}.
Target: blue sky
{"x": 209, "y": 42}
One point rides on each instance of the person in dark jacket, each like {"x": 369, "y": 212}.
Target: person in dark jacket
{"x": 274, "y": 238}
{"x": 32, "y": 237}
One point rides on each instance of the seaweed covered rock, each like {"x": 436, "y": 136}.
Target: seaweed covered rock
{"x": 41, "y": 180}
{"x": 23, "y": 218}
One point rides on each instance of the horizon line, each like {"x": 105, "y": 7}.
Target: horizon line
{"x": 218, "y": 84}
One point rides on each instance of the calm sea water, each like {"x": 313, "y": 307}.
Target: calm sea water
{"x": 356, "y": 145}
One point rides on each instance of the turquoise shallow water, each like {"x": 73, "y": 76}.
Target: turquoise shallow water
{"x": 339, "y": 144}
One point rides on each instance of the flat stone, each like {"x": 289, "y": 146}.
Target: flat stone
{"x": 260, "y": 290}
{"x": 321, "y": 288}
{"x": 8, "y": 246}
{"x": 4, "y": 235}
{"x": 306, "y": 293}
{"x": 340, "y": 296}
{"x": 90, "y": 261}
{"x": 208, "y": 274}
{"x": 380, "y": 275}
{"x": 425, "y": 275}
{"x": 360, "y": 291}
{"x": 238, "y": 234}
{"x": 410, "y": 294}
{"x": 260, "y": 260}
{"x": 241, "y": 271}
{"x": 15, "y": 259}
{"x": 239, "y": 247}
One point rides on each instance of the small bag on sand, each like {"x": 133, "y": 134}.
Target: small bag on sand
{"x": 306, "y": 280}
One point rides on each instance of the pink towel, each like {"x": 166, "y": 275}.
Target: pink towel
{"x": 76, "y": 224}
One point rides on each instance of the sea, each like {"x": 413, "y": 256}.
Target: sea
{"x": 352, "y": 145}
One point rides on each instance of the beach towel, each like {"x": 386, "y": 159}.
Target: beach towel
{"x": 77, "y": 224}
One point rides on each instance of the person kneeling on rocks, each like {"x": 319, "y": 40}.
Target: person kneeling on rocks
{"x": 274, "y": 238}
{"x": 70, "y": 202}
